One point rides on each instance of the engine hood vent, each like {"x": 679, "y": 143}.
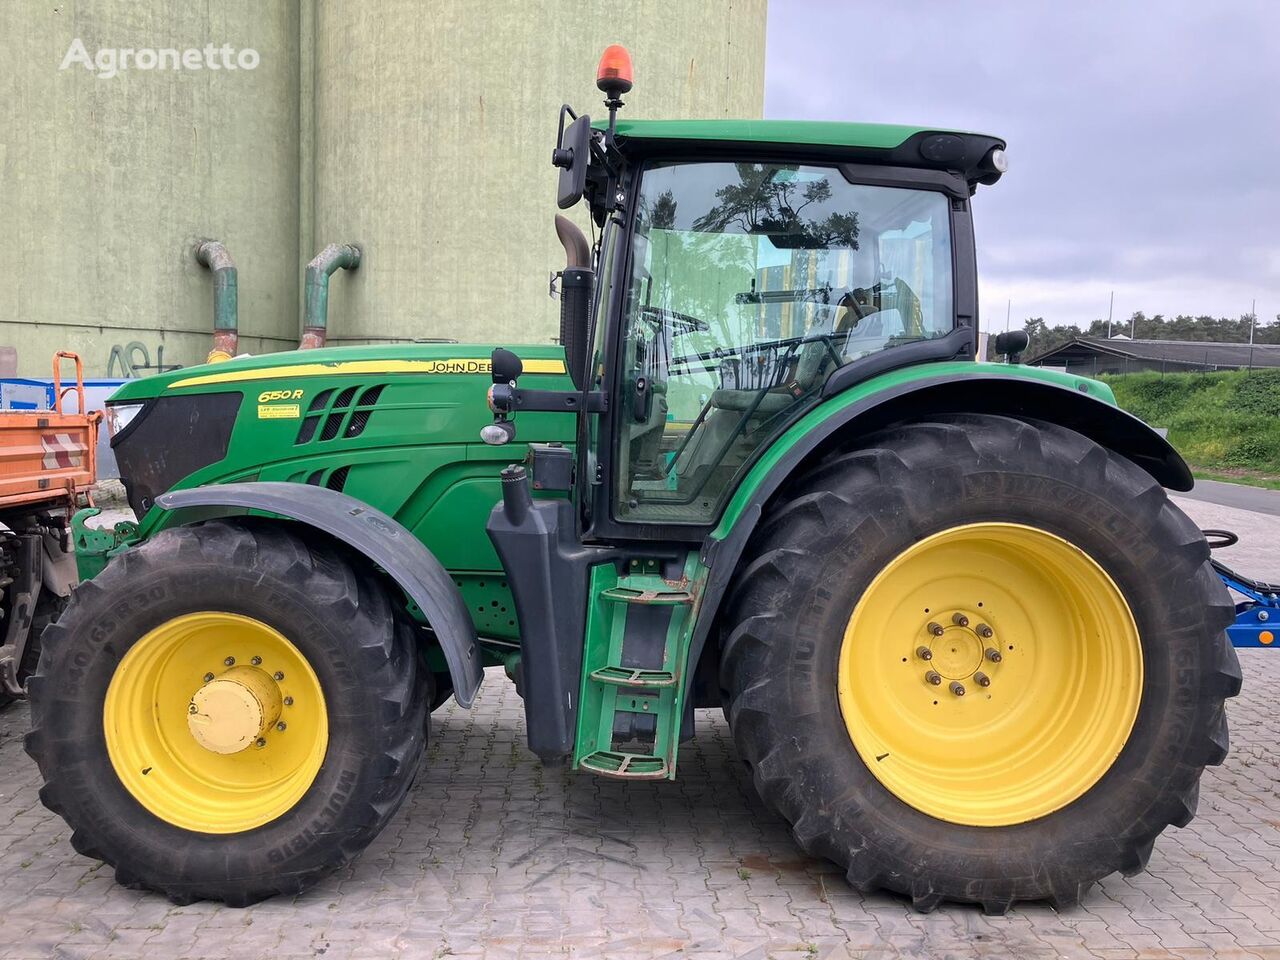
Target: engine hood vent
{"x": 339, "y": 413}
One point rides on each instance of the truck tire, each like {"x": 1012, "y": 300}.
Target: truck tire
{"x": 228, "y": 712}
{"x": 978, "y": 659}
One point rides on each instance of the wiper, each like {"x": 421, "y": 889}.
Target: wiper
{"x": 798, "y": 295}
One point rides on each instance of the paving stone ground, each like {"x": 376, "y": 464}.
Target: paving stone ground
{"x": 493, "y": 855}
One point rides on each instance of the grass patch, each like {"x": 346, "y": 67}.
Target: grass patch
{"x": 1226, "y": 425}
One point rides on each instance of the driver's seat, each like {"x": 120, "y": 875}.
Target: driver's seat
{"x": 811, "y": 367}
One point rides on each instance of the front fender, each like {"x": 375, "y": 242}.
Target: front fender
{"x": 368, "y": 531}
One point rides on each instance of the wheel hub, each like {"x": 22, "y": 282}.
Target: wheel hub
{"x": 957, "y": 653}
{"x": 233, "y": 711}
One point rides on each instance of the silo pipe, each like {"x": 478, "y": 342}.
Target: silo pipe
{"x": 226, "y": 337}
{"x": 322, "y": 265}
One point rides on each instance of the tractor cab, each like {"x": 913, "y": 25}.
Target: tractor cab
{"x": 744, "y": 270}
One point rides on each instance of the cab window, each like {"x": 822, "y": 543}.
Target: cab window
{"x": 750, "y": 284}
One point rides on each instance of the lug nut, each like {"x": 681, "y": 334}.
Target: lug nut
{"x": 279, "y": 675}
{"x": 993, "y": 655}
{"x": 288, "y": 701}
{"x": 933, "y": 677}
{"x": 208, "y": 677}
{"x": 192, "y": 708}
{"x": 960, "y": 620}
{"x": 984, "y": 631}
{"x": 280, "y": 726}
{"x": 256, "y": 661}
{"x": 935, "y": 629}
{"x": 957, "y": 688}
{"x": 924, "y": 653}
{"x": 260, "y": 742}
{"x": 230, "y": 661}
{"x": 982, "y": 679}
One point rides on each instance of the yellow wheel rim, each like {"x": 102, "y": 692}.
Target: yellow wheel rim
{"x": 215, "y": 723}
{"x": 990, "y": 674}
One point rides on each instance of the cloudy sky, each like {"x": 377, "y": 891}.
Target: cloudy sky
{"x": 1144, "y": 137}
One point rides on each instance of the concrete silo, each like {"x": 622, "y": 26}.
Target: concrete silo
{"x": 434, "y": 133}
{"x": 107, "y": 181}
{"x": 420, "y": 131}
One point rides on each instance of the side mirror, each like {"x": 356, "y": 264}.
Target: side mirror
{"x": 1011, "y": 343}
{"x": 572, "y": 155}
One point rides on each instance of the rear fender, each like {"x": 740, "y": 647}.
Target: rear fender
{"x": 371, "y": 533}
{"x": 1023, "y": 392}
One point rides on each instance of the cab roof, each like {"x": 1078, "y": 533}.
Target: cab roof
{"x": 814, "y": 132}
{"x": 966, "y": 153}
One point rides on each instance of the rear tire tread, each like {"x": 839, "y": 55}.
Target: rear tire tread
{"x": 800, "y": 515}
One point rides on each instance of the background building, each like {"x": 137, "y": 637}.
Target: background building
{"x": 1090, "y": 356}
{"x": 420, "y": 131}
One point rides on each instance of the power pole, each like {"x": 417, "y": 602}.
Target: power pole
{"x": 1110, "y": 307}
{"x": 1008, "y": 310}
{"x": 1253, "y": 319}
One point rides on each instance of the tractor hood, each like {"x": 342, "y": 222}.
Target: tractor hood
{"x": 372, "y": 421}
{"x": 434, "y": 358}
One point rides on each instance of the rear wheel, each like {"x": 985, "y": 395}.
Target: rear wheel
{"x": 979, "y": 660}
{"x": 227, "y": 713}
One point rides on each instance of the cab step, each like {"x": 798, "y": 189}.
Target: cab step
{"x": 629, "y": 677}
{"x": 655, "y": 597}
{"x": 625, "y": 766}
{"x": 634, "y": 669}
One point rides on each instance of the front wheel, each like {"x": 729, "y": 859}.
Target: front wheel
{"x": 227, "y": 713}
{"x": 979, "y": 660}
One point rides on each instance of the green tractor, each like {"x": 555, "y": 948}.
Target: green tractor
{"x": 966, "y": 645}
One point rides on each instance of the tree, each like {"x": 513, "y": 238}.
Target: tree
{"x": 763, "y": 202}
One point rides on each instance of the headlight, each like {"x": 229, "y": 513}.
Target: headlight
{"x": 120, "y": 415}
{"x": 999, "y": 160}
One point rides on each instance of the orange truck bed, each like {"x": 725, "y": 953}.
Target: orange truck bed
{"x": 48, "y": 456}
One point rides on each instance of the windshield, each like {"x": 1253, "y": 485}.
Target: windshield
{"x": 750, "y": 283}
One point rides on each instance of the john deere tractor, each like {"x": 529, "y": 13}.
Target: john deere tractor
{"x": 965, "y": 643}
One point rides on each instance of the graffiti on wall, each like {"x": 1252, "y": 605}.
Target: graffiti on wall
{"x": 133, "y": 359}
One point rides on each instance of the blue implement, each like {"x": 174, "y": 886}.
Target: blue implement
{"x": 1258, "y": 615}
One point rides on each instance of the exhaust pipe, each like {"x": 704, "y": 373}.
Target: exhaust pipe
{"x": 321, "y": 267}
{"x": 576, "y": 284}
{"x": 226, "y": 336}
